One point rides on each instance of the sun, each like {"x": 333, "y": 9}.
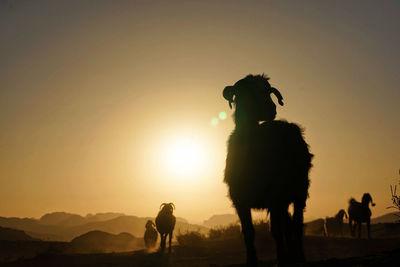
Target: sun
{"x": 185, "y": 156}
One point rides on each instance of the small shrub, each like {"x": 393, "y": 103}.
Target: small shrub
{"x": 231, "y": 231}
{"x": 262, "y": 227}
{"x": 191, "y": 239}
{"x": 395, "y": 198}
{"x": 234, "y": 231}
{"x": 195, "y": 239}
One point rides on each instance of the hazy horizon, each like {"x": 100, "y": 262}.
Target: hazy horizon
{"x": 97, "y": 96}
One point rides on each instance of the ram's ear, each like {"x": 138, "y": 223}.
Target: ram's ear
{"x": 228, "y": 93}
{"x": 278, "y": 95}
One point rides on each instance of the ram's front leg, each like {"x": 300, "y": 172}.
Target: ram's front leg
{"x": 248, "y": 234}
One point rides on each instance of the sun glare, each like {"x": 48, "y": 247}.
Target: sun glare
{"x": 185, "y": 157}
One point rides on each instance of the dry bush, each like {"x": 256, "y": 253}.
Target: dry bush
{"x": 262, "y": 227}
{"x": 395, "y": 199}
{"x": 231, "y": 231}
{"x": 191, "y": 238}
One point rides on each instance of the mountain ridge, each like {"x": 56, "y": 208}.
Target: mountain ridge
{"x": 62, "y": 226}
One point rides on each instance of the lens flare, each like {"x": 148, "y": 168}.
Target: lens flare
{"x": 222, "y": 115}
{"x": 214, "y": 121}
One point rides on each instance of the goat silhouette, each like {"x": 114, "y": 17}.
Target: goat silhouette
{"x": 267, "y": 167}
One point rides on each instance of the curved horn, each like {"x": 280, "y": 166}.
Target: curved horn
{"x": 172, "y": 204}
{"x": 277, "y": 94}
{"x": 162, "y": 205}
{"x": 228, "y": 94}
{"x": 372, "y": 203}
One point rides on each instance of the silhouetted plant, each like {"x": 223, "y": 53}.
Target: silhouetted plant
{"x": 260, "y": 226}
{"x": 231, "y": 231}
{"x": 395, "y": 198}
{"x": 191, "y": 238}
{"x": 221, "y": 233}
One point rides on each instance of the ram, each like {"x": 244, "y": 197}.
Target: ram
{"x": 267, "y": 167}
{"x": 165, "y": 223}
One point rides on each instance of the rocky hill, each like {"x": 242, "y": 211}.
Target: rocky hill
{"x": 12, "y": 234}
{"x": 221, "y": 220}
{"x": 102, "y": 242}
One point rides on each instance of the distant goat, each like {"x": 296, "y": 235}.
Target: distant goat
{"x": 359, "y": 213}
{"x": 334, "y": 225}
{"x": 267, "y": 167}
{"x": 315, "y": 228}
{"x": 165, "y": 223}
{"x": 150, "y": 235}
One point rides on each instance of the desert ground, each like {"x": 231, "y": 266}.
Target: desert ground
{"x": 199, "y": 252}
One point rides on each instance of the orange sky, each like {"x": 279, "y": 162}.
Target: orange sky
{"x": 91, "y": 94}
